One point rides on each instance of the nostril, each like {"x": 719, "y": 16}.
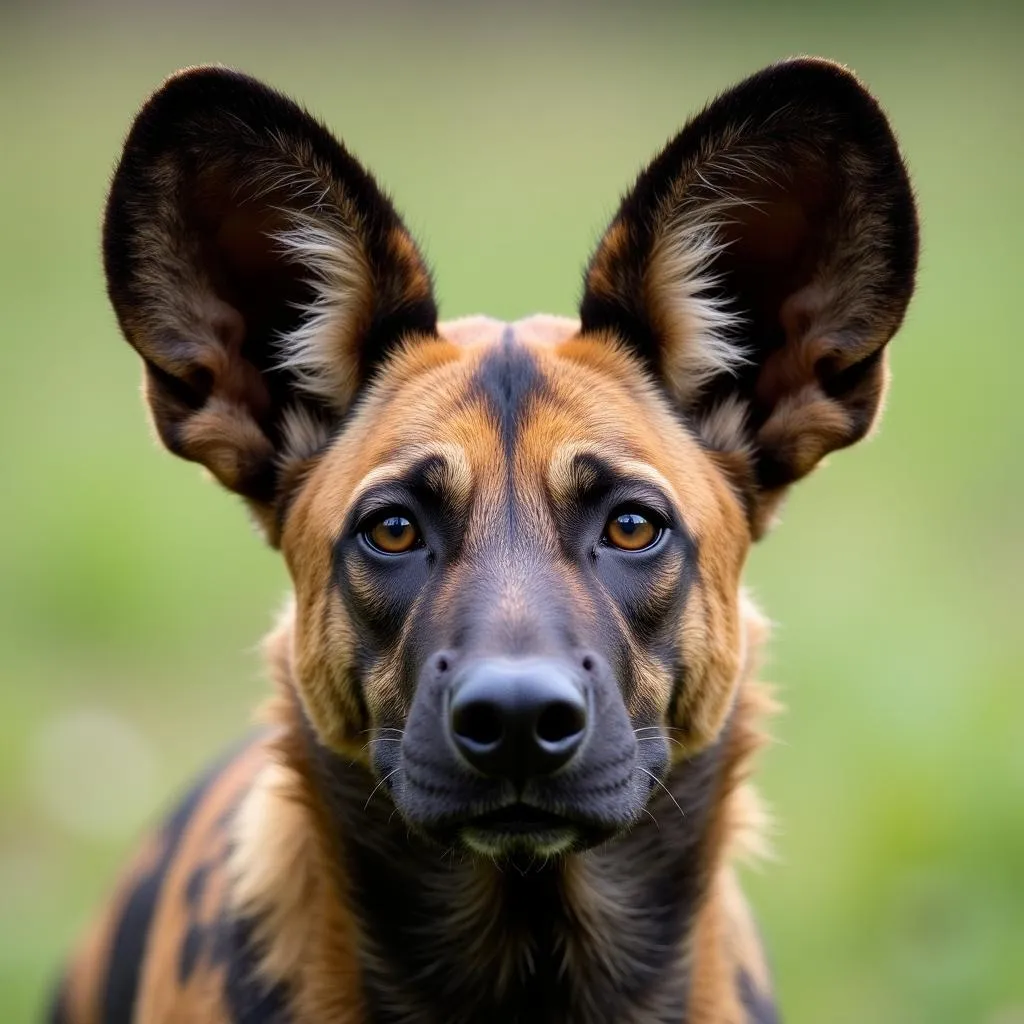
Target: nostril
{"x": 560, "y": 721}
{"x": 442, "y": 664}
{"x": 480, "y": 722}
{"x": 588, "y": 663}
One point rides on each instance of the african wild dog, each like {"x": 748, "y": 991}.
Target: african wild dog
{"x": 503, "y": 777}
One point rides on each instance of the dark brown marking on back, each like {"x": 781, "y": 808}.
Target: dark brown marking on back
{"x": 128, "y": 949}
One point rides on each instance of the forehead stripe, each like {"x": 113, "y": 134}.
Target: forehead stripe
{"x": 506, "y": 379}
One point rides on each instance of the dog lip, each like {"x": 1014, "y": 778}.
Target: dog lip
{"x": 520, "y": 819}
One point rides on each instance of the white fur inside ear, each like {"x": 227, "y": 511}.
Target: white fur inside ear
{"x": 302, "y": 434}
{"x": 700, "y": 331}
{"x": 724, "y": 426}
{"x": 321, "y": 351}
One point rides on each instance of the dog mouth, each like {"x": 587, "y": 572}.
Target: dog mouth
{"x": 519, "y": 820}
{"x": 521, "y": 828}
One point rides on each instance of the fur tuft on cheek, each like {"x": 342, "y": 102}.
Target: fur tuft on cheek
{"x": 329, "y": 687}
{"x": 713, "y": 633}
{"x": 728, "y": 645}
{"x": 712, "y": 640}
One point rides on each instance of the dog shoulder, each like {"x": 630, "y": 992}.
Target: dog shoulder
{"x": 168, "y": 947}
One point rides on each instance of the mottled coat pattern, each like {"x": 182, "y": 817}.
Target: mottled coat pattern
{"x": 504, "y": 773}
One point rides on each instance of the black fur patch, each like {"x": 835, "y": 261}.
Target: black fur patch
{"x": 227, "y": 941}
{"x": 507, "y": 378}
{"x": 249, "y": 1000}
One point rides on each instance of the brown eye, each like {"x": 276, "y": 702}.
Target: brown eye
{"x": 631, "y": 531}
{"x": 394, "y": 535}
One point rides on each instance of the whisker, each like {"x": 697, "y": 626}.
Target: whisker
{"x": 668, "y": 739}
{"x": 394, "y": 771}
{"x": 380, "y": 739}
{"x": 674, "y": 728}
{"x": 660, "y": 728}
{"x": 653, "y": 739}
{"x": 652, "y": 817}
{"x": 639, "y": 768}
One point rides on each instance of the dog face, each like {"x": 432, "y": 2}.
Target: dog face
{"x": 516, "y": 549}
{"x": 501, "y": 557}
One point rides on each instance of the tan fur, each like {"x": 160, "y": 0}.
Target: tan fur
{"x": 276, "y": 868}
{"x": 285, "y": 866}
{"x": 724, "y": 427}
{"x": 223, "y": 436}
{"x": 284, "y": 870}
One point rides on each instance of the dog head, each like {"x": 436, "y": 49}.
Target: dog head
{"x": 516, "y": 548}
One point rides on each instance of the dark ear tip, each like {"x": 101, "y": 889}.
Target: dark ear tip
{"x": 819, "y": 81}
{"x": 199, "y": 88}
{"x": 809, "y": 70}
{"x": 811, "y": 65}
{"x": 200, "y": 79}
{"x": 212, "y": 95}
{"x": 841, "y": 86}
{"x": 193, "y": 73}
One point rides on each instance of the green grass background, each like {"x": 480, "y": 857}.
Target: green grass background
{"x": 132, "y": 592}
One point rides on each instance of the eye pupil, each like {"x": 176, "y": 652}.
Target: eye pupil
{"x": 629, "y": 523}
{"x": 396, "y": 526}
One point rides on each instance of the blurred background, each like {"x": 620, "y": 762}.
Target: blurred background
{"x": 133, "y": 592}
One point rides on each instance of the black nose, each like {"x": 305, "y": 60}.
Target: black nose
{"x": 518, "y": 718}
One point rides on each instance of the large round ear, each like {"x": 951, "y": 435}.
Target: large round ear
{"x": 760, "y": 265}
{"x": 260, "y": 273}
